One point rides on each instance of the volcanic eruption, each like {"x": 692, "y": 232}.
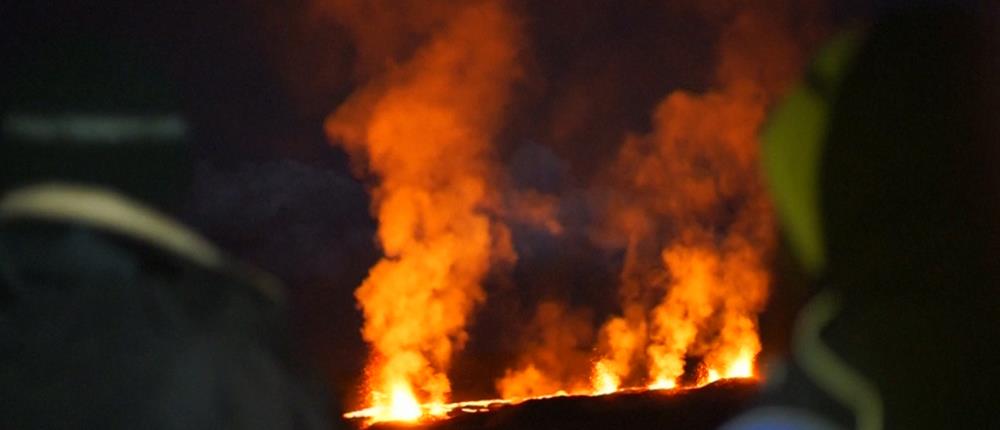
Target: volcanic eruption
{"x": 439, "y": 100}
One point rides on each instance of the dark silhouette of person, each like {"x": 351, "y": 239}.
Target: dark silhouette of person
{"x": 112, "y": 313}
{"x": 883, "y": 166}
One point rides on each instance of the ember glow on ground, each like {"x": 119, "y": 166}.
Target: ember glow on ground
{"x": 406, "y": 409}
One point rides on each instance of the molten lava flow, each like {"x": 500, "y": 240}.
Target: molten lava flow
{"x": 430, "y": 412}
{"x": 423, "y": 130}
{"x": 436, "y": 411}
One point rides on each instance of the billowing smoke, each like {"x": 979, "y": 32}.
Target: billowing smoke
{"x": 422, "y": 130}
{"x": 688, "y": 201}
{"x": 558, "y": 349}
{"x": 685, "y": 203}
{"x": 648, "y": 111}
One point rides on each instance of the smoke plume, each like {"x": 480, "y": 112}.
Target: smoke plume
{"x": 647, "y": 115}
{"x": 697, "y": 225}
{"x": 422, "y": 131}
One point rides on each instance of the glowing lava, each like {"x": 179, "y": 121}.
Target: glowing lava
{"x": 663, "y": 384}
{"x": 741, "y": 367}
{"x": 604, "y": 381}
{"x": 403, "y": 405}
{"x": 412, "y": 412}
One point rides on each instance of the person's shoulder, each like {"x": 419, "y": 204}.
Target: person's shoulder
{"x": 58, "y": 216}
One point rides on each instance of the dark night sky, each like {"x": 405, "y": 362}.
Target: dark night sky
{"x": 258, "y": 82}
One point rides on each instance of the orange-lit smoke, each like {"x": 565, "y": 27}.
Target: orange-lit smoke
{"x": 433, "y": 82}
{"x": 699, "y": 229}
{"x": 421, "y": 127}
{"x": 560, "y": 348}
{"x": 621, "y": 341}
{"x": 696, "y": 226}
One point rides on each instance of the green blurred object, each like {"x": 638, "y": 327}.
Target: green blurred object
{"x": 793, "y": 144}
{"x": 882, "y": 164}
